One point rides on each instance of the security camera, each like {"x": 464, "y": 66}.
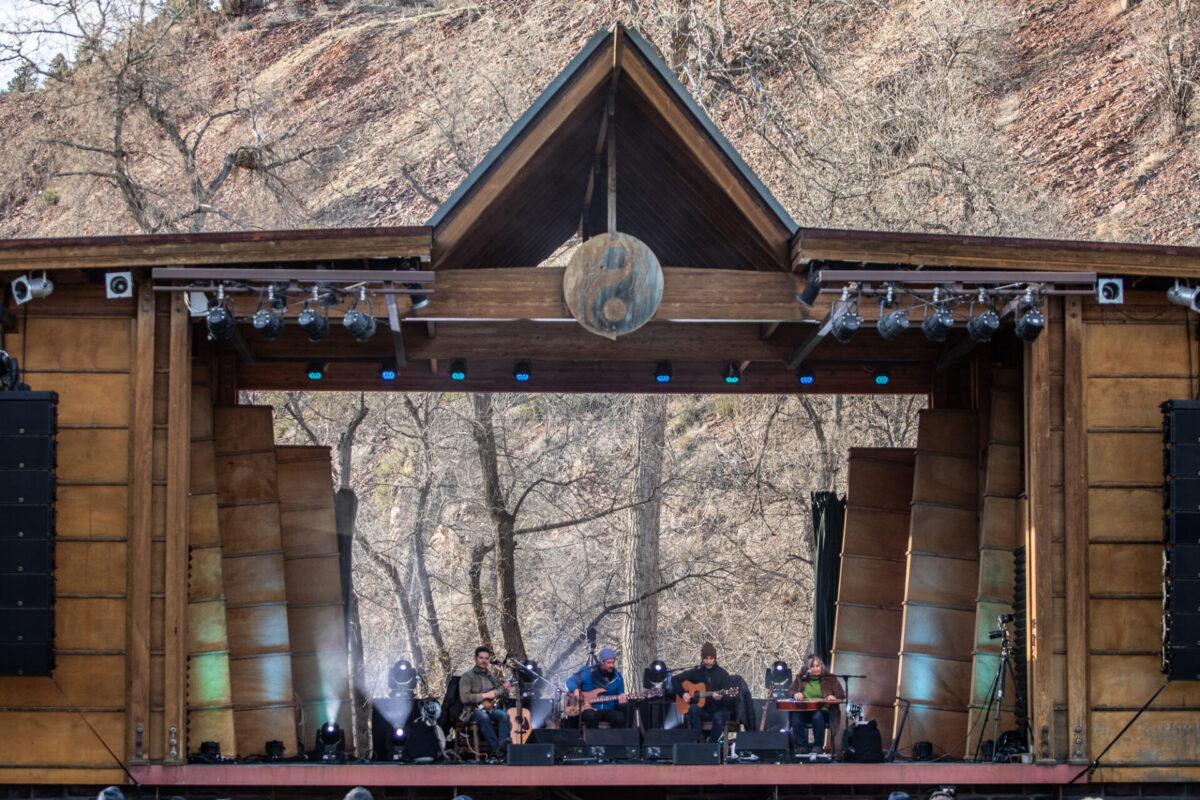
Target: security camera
{"x": 1110, "y": 290}
{"x": 25, "y": 288}
{"x": 118, "y": 284}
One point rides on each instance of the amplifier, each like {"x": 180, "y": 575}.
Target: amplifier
{"x": 530, "y": 755}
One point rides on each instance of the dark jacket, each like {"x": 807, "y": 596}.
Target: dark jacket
{"x": 714, "y": 680}
{"x": 472, "y": 684}
{"x": 829, "y": 685}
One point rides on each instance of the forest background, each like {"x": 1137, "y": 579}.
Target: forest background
{"x": 522, "y": 520}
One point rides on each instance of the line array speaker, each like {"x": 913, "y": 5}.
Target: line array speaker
{"x": 1181, "y": 540}
{"x": 28, "y": 424}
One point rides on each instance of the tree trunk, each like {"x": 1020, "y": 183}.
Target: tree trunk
{"x": 475, "y": 574}
{"x": 639, "y": 635}
{"x": 435, "y": 628}
{"x": 503, "y": 519}
{"x": 345, "y": 509}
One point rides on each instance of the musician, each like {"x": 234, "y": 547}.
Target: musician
{"x": 718, "y": 708}
{"x": 478, "y": 689}
{"x": 602, "y": 676}
{"x": 815, "y": 683}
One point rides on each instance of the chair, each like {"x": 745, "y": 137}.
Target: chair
{"x": 462, "y": 737}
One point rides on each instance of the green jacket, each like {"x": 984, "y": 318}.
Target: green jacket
{"x": 472, "y": 685}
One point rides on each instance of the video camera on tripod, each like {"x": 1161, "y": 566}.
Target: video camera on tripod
{"x": 1003, "y": 632}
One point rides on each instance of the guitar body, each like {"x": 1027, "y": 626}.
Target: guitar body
{"x": 700, "y": 695}
{"x": 522, "y": 724}
{"x": 573, "y": 707}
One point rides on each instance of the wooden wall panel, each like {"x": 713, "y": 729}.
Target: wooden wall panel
{"x": 91, "y": 680}
{"x": 252, "y": 579}
{"x": 1124, "y": 458}
{"x": 65, "y": 341}
{"x": 1124, "y": 514}
{"x": 315, "y": 580}
{"x": 943, "y": 530}
{"x": 940, "y": 580}
{"x": 206, "y": 627}
{"x": 1162, "y": 737}
{"x": 1113, "y": 351}
{"x": 934, "y": 681}
{"x": 1127, "y": 402}
{"x": 1125, "y": 624}
{"x": 59, "y": 740}
{"x": 92, "y": 511}
{"x": 89, "y": 623}
{"x": 250, "y": 529}
{"x": 306, "y": 532}
{"x": 999, "y": 524}
{"x": 86, "y": 455}
{"x": 1127, "y": 681}
{"x": 868, "y": 575}
{"x": 318, "y": 629}
{"x": 261, "y": 681}
{"x": 947, "y": 479}
{"x": 89, "y": 567}
{"x": 1125, "y": 568}
{"x": 86, "y": 399}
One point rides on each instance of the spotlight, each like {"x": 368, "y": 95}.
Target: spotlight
{"x": 26, "y": 288}
{"x": 316, "y": 371}
{"x": 360, "y": 325}
{"x": 662, "y": 372}
{"x": 812, "y": 289}
{"x": 522, "y": 372}
{"x": 527, "y": 674}
{"x": 806, "y": 376}
{"x": 893, "y": 324}
{"x": 1187, "y": 296}
{"x": 458, "y": 370}
{"x": 331, "y": 742}
{"x": 220, "y": 322}
{"x": 314, "y": 323}
{"x": 845, "y": 326}
{"x": 1110, "y": 290}
{"x": 1029, "y": 326}
{"x": 779, "y": 676}
{"x": 733, "y": 373}
{"x": 882, "y": 376}
{"x": 396, "y": 744}
{"x": 938, "y": 323}
{"x": 268, "y": 323}
{"x": 118, "y": 285}
{"x": 402, "y": 679}
{"x": 419, "y": 301}
{"x": 656, "y": 674}
{"x": 274, "y": 750}
{"x": 387, "y": 371}
{"x": 982, "y": 327}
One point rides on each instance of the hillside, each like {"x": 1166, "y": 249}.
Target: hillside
{"x": 966, "y": 116}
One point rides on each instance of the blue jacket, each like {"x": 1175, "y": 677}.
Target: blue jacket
{"x": 590, "y": 678}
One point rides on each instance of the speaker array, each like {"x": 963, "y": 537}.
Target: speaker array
{"x": 28, "y": 423}
{"x": 1181, "y": 540}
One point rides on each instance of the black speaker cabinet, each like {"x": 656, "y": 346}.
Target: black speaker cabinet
{"x": 775, "y": 719}
{"x": 567, "y": 742}
{"x": 1181, "y": 540}
{"x": 530, "y": 755}
{"x": 764, "y": 745}
{"x": 659, "y": 744}
{"x": 613, "y": 744}
{"x": 696, "y": 753}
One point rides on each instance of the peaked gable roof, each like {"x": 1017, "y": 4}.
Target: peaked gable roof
{"x": 681, "y": 187}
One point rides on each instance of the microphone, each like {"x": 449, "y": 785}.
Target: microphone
{"x": 496, "y": 662}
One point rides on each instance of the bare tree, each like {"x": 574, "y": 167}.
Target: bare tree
{"x": 1169, "y": 49}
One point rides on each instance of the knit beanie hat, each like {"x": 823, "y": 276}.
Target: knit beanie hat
{"x": 605, "y": 654}
{"x": 708, "y": 649}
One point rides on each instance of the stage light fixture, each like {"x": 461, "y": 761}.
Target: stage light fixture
{"x": 882, "y": 376}
{"x": 360, "y": 325}
{"x": 268, "y": 323}
{"x": 314, "y": 323}
{"x": 1186, "y": 296}
{"x": 402, "y": 679}
{"x": 1030, "y": 325}
{"x": 983, "y": 326}
{"x": 662, "y": 372}
{"x": 458, "y": 370}
{"x": 778, "y": 676}
{"x": 331, "y": 742}
{"x": 1110, "y": 291}
{"x": 274, "y": 750}
{"x": 27, "y": 287}
{"x": 522, "y": 372}
{"x": 938, "y": 320}
{"x": 221, "y": 323}
{"x": 396, "y": 744}
{"x": 845, "y": 326}
{"x": 806, "y": 376}
{"x": 419, "y": 301}
{"x": 656, "y": 674}
{"x": 733, "y": 373}
{"x": 316, "y": 371}
{"x": 387, "y": 371}
{"x": 893, "y": 324}
{"x": 812, "y": 289}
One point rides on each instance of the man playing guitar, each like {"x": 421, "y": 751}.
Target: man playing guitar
{"x": 714, "y": 705}
{"x": 602, "y": 676}
{"x": 480, "y": 693}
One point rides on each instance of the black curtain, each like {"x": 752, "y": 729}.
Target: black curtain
{"x": 828, "y": 518}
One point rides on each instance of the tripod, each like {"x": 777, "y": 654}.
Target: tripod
{"x": 1003, "y": 670}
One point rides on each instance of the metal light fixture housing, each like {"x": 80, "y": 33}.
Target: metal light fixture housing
{"x": 268, "y": 323}
{"x": 1030, "y": 325}
{"x": 938, "y": 323}
{"x": 893, "y": 324}
{"x": 220, "y": 323}
{"x": 314, "y": 323}
{"x": 845, "y": 326}
{"x": 360, "y": 325}
{"x": 983, "y": 326}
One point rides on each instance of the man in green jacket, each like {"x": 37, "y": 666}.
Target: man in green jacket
{"x": 481, "y": 693}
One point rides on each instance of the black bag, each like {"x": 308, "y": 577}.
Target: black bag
{"x": 863, "y": 744}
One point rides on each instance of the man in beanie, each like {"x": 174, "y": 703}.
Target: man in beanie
{"x": 717, "y": 708}
{"x": 602, "y": 676}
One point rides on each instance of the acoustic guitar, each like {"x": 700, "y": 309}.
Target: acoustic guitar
{"x": 573, "y": 707}
{"x": 700, "y": 695}
{"x": 520, "y": 721}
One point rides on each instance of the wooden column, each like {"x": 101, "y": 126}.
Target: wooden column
{"x": 138, "y": 557}
{"x": 179, "y": 428}
{"x": 1038, "y": 546}
{"x": 1076, "y": 531}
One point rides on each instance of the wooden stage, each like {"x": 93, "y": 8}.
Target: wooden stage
{"x": 605, "y": 775}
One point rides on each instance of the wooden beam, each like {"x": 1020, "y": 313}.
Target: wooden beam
{"x": 1039, "y": 571}
{"x": 241, "y": 247}
{"x": 1076, "y": 533}
{"x": 179, "y": 393}
{"x": 984, "y": 252}
{"x": 138, "y": 577}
